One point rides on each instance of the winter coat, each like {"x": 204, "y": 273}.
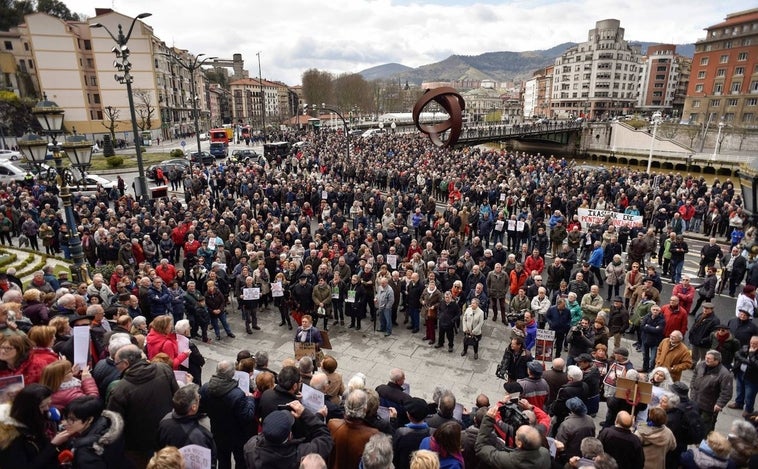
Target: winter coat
{"x": 614, "y": 273}
{"x": 656, "y": 442}
{"x": 143, "y": 397}
{"x": 491, "y": 456}
{"x": 164, "y": 343}
{"x": 19, "y": 449}
{"x": 700, "y": 333}
{"x": 531, "y": 335}
{"x": 676, "y": 359}
{"x": 559, "y": 319}
{"x": 102, "y": 444}
{"x": 72, "y": 389}
{"x": 350, "y": 436}
{"x": 39, "y": 358}
{"x": 652, "y": 329}
{"x": 702, "y": 457}
{"x": 182, "y": 430}
{"x": 710, "y": 386}
{"x": 160, "y": 301}
{"x": 747, "y": 362}
{"x": 580, "y": 341}
{"x": 676, "y": 320}
{"x": 572, "y": 431}
{"x": 472, "y": 321}
{"x": 497, "y": 284}
{"x": 323, "y": 294}
{"x": 229, "y": 410}
{"x": 618, "y": 320}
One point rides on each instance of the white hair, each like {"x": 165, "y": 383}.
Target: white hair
{"x": 574, "y": 373}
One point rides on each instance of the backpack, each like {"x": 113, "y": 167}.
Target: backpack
{"x": 692, "y": 424}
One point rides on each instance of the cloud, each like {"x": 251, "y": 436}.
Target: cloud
{"x": 351, "y": 35}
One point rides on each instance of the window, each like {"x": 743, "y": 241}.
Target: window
{"x": 736, "y": 87}
{"x": 99, "y": 115}
{"x": 748, "y": 117}
{"x": 729, "y": 117}
{"x": 721, "y": 72}
{"x": 718, "y": 88}
{"x": 661, "y": 68}
{"x": 754, "y": 87}
{"x": 26, "y": 46}
{"x": 731, "y": 102}
{"x": 751, "y": 102}
{"x": 31, "y": 64}
{"x": 701, "y": 74}
{"x": 699, "y": 88}
{"x": 724, "y": 59}
{"x": 90, "y": 63}
{"x": 696, "y": 103}
{"x": 704, "y": 61}
{"x": 96, "y": 98}
{"x": 660, "y": 77}
{"x": 742, "y": 56}
{"x": 93, "y": 81}
{"x": 715, "y": 103}
{"x": 739, "y": 70}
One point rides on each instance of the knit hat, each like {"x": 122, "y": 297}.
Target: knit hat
{"x": 576, "y": 406}
{"x": 623, "y": 351}
{"x": 584, "y": 357}
{"x": 536, "y": 368}
{"x": 680, "y": 388}
{"x": 277, "y": 426}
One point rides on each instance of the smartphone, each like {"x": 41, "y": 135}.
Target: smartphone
{"x": 284, "y": 407}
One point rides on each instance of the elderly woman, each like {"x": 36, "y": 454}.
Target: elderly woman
{"x": 615, "y": 272}
{"x": 35, "y": 308}
{"x": 162, "y": 339}
{"x": 14, "y": 356}
{"x": 196, "y": 360}
{"x": 471, "y": 323}
{"x": 42, "y": 354}
{"x": 712, "y": 453}
{"x": 59, "y": 377}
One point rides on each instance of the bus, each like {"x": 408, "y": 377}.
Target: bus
{"x": 220, "y": 135}
{"x": 276, "y": 151}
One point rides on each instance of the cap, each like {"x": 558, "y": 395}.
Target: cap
{"x": 618, "y": 299}
{"x": 303, "y": 277}
{"x": 623, "y": 351}
{"x": 277, "y": 426}
{"x": 708, "y": 304}
{"x": 722, "y": 326}
{"x": 576, "y": 406}
{"x": 513, "y": 388}
{"x": 680, "y": 388}
{"x": 417, "y": 408}
{"x": 584, "y": 357}
{"x": 72, "y": 322}
{"x": 536, "y": 368}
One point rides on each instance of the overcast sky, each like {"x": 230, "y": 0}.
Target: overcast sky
{"x": 351, "y": 35}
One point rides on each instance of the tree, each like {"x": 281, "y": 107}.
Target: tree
{"x": 12, "y": 13}
{"x": 145, "y": 109}
{"x": 668, "y": 130}
{"x": 352, "y": 91}
{"x": 16, "y": 113}
{"x": 318, "y": 87}
{"x": 56, "y": 8}
{"x": 111, "y": 120}
{"x": 691, "y": 131}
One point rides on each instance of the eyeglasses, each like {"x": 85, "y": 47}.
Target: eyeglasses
{"x": 7, "y": 347}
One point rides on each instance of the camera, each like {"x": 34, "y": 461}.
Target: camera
{"x": 512, "y": 415}
{"x": 512, "y": 317}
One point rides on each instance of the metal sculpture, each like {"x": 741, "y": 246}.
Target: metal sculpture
{"x": 453, "y": 103}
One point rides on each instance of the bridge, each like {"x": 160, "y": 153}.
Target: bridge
{"x": 555, "y": 132}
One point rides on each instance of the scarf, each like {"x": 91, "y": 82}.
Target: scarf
{"x": 304, "y": 335}
{"x": 434, "y": 446}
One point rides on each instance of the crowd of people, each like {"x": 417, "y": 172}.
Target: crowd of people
{"x": 441, "y": 240}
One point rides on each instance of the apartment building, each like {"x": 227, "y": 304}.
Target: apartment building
{"x": 660, "y": 72}
{"x": 537, "y": 93}
{"x": 598, "y": 78}
{"x": 248, "y": 107}
{"x": 724, "y": 79}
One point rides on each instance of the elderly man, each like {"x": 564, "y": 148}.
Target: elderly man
{"x": 710, "y": 388}
{"x": 181, "y": 427}
{"x": 393, "y": 395}
{"x": 449, "y": 313}
{"x": 619, "y": 442}
{"x": 231, "y": 413}
{"x": 575, "y": 387}
{"x": 529, "y": 453}
{"x": 675, "y": 317}
{"x": 350, "y": 434}
{"x": 143, "y": 397}
{"x": 576, "y": 427}
{"x": 384, "y": 298}
{"x": 592, "y": 303}
{"x": 674, "y": 355}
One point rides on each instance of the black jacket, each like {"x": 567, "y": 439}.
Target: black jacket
{"x": 407, "y": 440}
{"x": 229, "y": 409}
{"x": 392, "y": 395}
{"x": 447, "y": 314}
{"x": 700, "y": 333}
{"x": 182, "y": 430}
{"x": 569, "y": 390}
{"x": 102, "y": 446}
{"x": 261, "y": 453}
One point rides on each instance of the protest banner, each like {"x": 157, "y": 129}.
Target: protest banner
{"x": 543, "y": 350}
{"x": 589, "y": 217}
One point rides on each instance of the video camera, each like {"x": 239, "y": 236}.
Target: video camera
{"x": 514, "y": 316}
{"x": 511, "y": 418}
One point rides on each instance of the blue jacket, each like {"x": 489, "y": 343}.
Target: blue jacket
{"x": 160, "y": 301}
{"x": 559, "y": 319}
{"x": 596, "y": 258}
{"x": 652, "y": 329}
{"x": 531, "y": 335}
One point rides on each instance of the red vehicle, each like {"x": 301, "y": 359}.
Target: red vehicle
{"x": 219, "y": 136}
{"x": 246, "y": 132}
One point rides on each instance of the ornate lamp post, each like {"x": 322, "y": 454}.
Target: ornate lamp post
{"x": 79, "y": 152}
{"x": 122, "y": 53}
{"x": 717, "y": 145}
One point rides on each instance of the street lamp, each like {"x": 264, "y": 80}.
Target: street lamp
{"x": 122, "y": 52}
{"x": 717, "y": 145}
{"x": 324, "y": 107}
{"x": 192, "y": 66}
{"x": 656, "y": 120}
{"x": 79, "y": 152}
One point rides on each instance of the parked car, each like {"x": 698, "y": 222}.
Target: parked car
{"x": 10, "y": 155}
{"x": 219, "y": 150}
{"x": 203, "y": 137}
{"x": 243, "y": 156}
{"x": 202, "y": 157}
{"x": 90, "y": 183}
{"x": 180, "y": 164}
{"x": 371, "y": 132}
{"x": 11, "y": 172}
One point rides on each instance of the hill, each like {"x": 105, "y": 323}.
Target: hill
{"x": 497, "y": 66}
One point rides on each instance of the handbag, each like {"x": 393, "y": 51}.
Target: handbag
{"x": 431, "y": 313}
{"x": 469, "y": 340}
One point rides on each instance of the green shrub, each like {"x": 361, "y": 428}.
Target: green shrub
{"x": 115, "y": 161}
{"x": 105, "y": 269}
{"x": 177, "y": 153}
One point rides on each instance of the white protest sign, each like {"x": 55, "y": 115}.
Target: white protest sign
{"x": 196, "y": 457}
{"x": 458, "y": 412}
{"x": 589, "y": 217}
{"x": 182, "y": 345}
{"x": 81, "y": 345}
{"x": 277, "y": 290}
{"x": 243, "y": 380}
{"x": 180, "y": 377}
{"x": 392, "y": 260}
{"x": 249, "y": 294}
{"x": 312, "y": 400}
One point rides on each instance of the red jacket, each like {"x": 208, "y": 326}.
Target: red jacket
{"x": 191, "y": 247}
{"x": 165, "y": 343}
{"x": 686, "y": 296}
{"x": 537, "y": 264}
{"x": 675, "y": 320}
{"x": 167, "y": 273}
{"x": 518, "y": 280}
{"x": 39, "y": 358}
{"x": 62, "y": 397}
